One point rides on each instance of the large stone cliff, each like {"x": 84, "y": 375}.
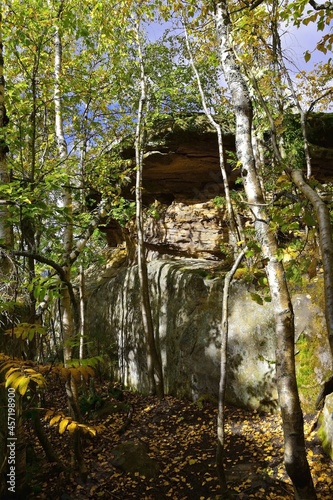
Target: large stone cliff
{"x": 187, "y": 239}
{"x": 186, "y": 303}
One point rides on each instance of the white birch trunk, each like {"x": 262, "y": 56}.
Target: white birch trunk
{"x": 223, "y": 375}
{"x": 299, "y": 107}
{"x": 294, "y": 453}
{"x": 82, "y": 313}
{"x": 67, "y": 321}
{"x": 155, "y": 371}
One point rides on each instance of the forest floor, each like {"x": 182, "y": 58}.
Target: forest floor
{"x": 180, "y": 438}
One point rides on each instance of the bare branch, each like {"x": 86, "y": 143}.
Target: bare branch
{"x": 321, "y": 6}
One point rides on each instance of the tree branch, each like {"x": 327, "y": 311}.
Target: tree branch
{"x": 317, "y": 6}
{"x": 59, "y": 270}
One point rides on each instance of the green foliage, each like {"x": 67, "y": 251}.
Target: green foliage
{"x": 154, "y": 210}
{"x": 219, "y": 201}
{"x": 26, "y": 331}
{"x": 90, "y": 403}
{"x": 293, "y": 140}
{"x": 85, "y": 362}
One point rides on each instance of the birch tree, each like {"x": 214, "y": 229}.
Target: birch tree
{"x": 235, "y": 230}
{"x": 294, "y": 450}
{"x": 155, "y": 372}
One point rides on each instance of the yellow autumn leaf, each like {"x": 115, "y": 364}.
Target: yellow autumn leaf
{"x": 12, "y": 377}
{"x": 12, "y": 370}
{"x": 23, "y": 385}
{"x": 56, "y": 419}
{"x": 65, "y": 373}
{"x": 75, "y": 374}
{"x": 17, "y": 382}
{"x": 92, "y": 431}
{"x": 39, "y": 379}
{"x": 84, "y": 373}
{"x": 63, "y": 424}
{"x": 72, "y": 427}
{"x": 90, "y": 371}
{"x": 48, "y": 414}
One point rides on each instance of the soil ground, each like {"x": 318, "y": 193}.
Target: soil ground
{"x": 180, "y": 437}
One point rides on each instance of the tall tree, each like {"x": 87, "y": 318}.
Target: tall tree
{"x": 294, "y": 451}
{"x": 6, "y": 236}
{"x": 155, "y": 371}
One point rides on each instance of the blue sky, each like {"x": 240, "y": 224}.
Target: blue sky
{"x": 298, "y": 41}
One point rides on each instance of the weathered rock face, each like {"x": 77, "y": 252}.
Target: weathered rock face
{"x": 133, "y": 458}
{"x": 197, "y": 230}
{"x": 313, "y": 357}
{"x": 326, "y": 428}
{"x": 187, "y": 313}
{"x": 182, "y": 176}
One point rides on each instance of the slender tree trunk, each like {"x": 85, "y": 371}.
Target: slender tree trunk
{"x": 50, "y": 453}
{"x": 294, "y": 452}
{"x": 67, "y": 201}
{"x": 259, "y": 160}
{"x": 65, "y": 303}
{"x": 233, "y": 225}
{"x": 326, "y": 245}
{"x": 155, "y": 371}
{"x": 82, "y": 313}
{"x": 223, "y": 376}
{"x": 297, "y": 103}
{"x": 65, "y": 307}
{"x": 6, "y": 234}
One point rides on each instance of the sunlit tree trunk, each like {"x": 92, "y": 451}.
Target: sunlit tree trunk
{"x": 6, "y": 235}
{"x": 66, "y": 313}
{"x": 82, "y": 313}
{"x": 223, "y": 376}
{"x": 67, "y": 201}
{"x": 235, "y": 231}
{"x": 325, "y": 242}
{"x": 280, "y": 59}
{"x": 155, "y": 371}
{"x": 294, "y": 451}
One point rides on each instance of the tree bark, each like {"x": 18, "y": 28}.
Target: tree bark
{"x": 155, "y": 371}
{"x": 325, "y": 243}
{"x": 6, "y": 234}
{"x": 294, "y": 452}
{"x": 297, "y": 104}
{"x": 223, "y": 376}
{"x": 67, "y": 200}
{"x": 50, "y": 453}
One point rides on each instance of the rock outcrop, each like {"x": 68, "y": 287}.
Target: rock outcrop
{"x": 199, "y": 230}
{"x": 186, "y": 303}
{"x": 326, "y": 427}
{"x": 187, "y": 237}
{"x": 182, "y": 176}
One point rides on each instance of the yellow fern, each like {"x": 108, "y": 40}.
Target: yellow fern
{"x": 19, "y": 374}
{"x": 70, "y": 425}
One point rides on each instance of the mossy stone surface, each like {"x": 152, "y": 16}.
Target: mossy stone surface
{"x": 133, "y": 458}
{"x": 325, "y": 431}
